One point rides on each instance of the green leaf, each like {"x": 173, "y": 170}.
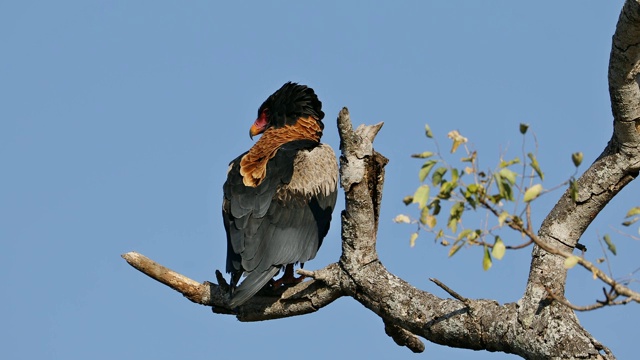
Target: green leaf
{"x": 424, "y": 213}
{"x": 532, "y": 192}
{"x": 464, "y": 233}
{"x": 453, "y": 224}
{"x": 436, "y": 178}
{"x": 454, "y": 249}
{"x": 455, "y": 176}
{"x": 457, "y": 209}
{"x": 610, "y": 245}
{"x": 421, "y": 196}
{"x": 470, "y": 158}
{"x": 468, "y": 195}
{"x": 509, "y": 175}
{"x": 498, "y": 248}
{"x": 633, "y": 211}
{"x": 425, "y": 169}
{"x": 423, "y": 155}
{"x": 473, "y": 236}
{"x": 486, "y": 259}
{"x": 502, "y": 217}
{"x": 445, "y": 190}
{"x": 407, "y": 199}
{"x": 504, "y": 187}
{"x": 435, "y": 206}
{"x": 523, "y": 128}
{"x": 576, "y": 158}
{"x": 571, "y": 261}
{"x": 535, "y": 166}
{"x": 573, "y": 190}
{"x": 431, "y": 221}
{"x": 427, "y": 131}
{"x": 504, "y": 164}
{"x": 455, "y": 214}
{"x": 412, "y": 239}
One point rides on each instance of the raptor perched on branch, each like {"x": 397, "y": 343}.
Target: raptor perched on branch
{"x": 279, "y": 195}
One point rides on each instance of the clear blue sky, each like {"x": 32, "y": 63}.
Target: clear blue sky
{"x": 118, "y": 120}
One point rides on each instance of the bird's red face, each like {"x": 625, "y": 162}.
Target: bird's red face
{"x": 260, "y": 125}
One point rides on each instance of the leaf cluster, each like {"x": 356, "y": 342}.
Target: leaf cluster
{"x": 450, "y": 190}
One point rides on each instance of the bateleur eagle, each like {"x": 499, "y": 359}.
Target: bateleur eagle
{"x": 279, "y": 195}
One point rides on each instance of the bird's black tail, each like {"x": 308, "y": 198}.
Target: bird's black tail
{"x": 251, "y": 285}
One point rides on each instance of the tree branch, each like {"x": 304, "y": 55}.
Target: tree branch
{"x": 449, "y": 290}
{"x": 608, "y": 301}
{"x": 615, "y": 167}
{"x": 304, "y": 298}
{"x": 616, "y": 286}
{"x": 536, "y": 327}
{"x": 191, "y": 289}
{"x": 407, "y": 312}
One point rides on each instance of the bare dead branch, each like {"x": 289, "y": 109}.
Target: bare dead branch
{"x": 191, "y": 289}
{"x": 303, "y": 298}
{"x": 449, "y": 290}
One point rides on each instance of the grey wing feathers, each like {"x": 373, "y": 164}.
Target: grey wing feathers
{"x": 251, "y": 285}
{"x": 281, "y": 221}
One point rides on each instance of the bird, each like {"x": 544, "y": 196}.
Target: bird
{"x": 279, "y": 195}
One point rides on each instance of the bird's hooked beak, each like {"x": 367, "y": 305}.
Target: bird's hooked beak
{"x": 256, "y": 129}
{"x": 259, "y": 126}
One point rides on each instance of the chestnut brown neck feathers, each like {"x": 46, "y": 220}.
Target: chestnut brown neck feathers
{"x": 253, "y": 165}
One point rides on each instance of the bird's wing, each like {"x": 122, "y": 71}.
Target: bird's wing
{"x": 282, "y": 220}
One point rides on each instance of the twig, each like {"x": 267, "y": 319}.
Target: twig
{"x": 604, "y": 253}
{"x": 509, "y": 247}
{"x": 521, "y": 246}
{"x": 619, "y": 288}
{"x": 450, "y": 291}
{"x": 597, "y": 305}
{"x": 625, "y": 234}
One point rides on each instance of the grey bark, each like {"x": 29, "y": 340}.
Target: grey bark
{"x": 534, "y": 327}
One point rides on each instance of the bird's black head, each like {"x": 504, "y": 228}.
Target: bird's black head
{"x": 285, "y": 106}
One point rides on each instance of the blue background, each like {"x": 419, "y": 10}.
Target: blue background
{"x": 118, "y": 120}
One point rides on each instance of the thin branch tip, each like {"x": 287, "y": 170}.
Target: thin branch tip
{"x": 306, "y": 273}
{"x": 449, "y": 291}
{"x": 129, "y": 255}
